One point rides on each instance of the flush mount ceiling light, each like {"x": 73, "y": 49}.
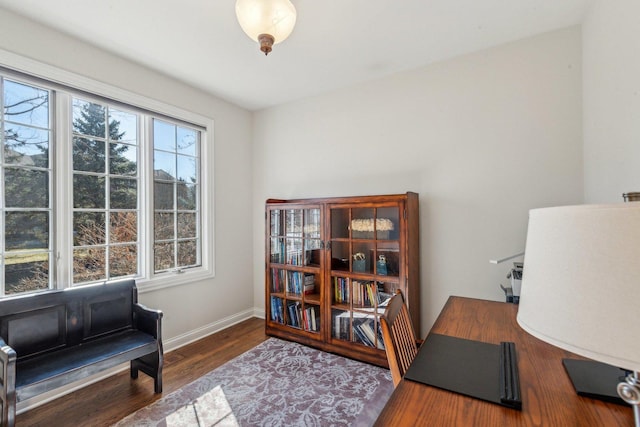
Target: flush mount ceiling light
{"x": 266, "y": 21}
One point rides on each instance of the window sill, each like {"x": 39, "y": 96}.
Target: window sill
{"x": 169, "y": 280}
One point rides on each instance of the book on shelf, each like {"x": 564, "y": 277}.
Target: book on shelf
{"x": 362, "y": 327}
{"x": 277, "y": 310}
{"x": 368, "y": 331}
{"x": 295, "y": 314}
{"x": 341, "y": 325}
{"x": 314, "y": 320}
{"x": 294, "y": 282}
{"x": 311, "y": 318}
{"x": 278, "y": 280}
{"x": 305, "y": 320}
{"x": 341, "y": 289}
{"x": 380, "y": 342}
{"x": 295, "y": 258}
{"x": 360, "y": 337}
{"x": 364, "y": 293}
{"x": 309, "y": 284}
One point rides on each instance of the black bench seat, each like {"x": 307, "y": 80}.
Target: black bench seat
{"x": 38, "y": 375}
{"x": 53, "y": 338}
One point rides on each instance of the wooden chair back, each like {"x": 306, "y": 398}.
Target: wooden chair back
{"x": 399, "y": 337}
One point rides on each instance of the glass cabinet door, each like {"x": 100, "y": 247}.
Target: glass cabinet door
{"x": 295, "y": 237}
{"x": 365, "y": 240}
{"x": 365, "y": 267}
{"x": 294, "y": 260}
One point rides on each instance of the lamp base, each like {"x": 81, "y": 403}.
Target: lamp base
{"x": 629, "y": 390}
{"x": 595, "y": 379}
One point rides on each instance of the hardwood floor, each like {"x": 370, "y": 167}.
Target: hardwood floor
{"x": 110, "y": 400}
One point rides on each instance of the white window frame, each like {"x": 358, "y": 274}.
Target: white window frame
{"x": 63, "y": 162}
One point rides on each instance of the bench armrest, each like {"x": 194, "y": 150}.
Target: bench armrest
{"x": 8, "y": 359}
{"x": 147, "y": 320}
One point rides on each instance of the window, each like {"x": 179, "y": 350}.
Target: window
{"x": 84, "y": 179}
{"x": 26, "y": 187}
{"x": 176, "y": 200}
{"x": 105, "y": 192}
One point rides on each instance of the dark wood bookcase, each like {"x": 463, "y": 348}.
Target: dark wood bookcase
{"x": 333, "y": 263}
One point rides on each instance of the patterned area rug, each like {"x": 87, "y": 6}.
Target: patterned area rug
{"x": 277, "y": 383}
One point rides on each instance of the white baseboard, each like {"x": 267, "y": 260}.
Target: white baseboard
{"x": 259, "y": 312}
{"x": 168, "y": 345}
{"x": 199, "y": 333}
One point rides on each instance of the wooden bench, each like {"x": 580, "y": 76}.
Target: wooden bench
{"x": 52, "y": 338}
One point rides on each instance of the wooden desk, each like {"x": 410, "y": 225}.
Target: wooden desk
{"x": 548, "y": 397}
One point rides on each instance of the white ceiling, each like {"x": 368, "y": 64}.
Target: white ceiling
{"x": 336, "y": 43}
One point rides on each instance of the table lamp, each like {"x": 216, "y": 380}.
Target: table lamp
{"x": 581, "y": 285}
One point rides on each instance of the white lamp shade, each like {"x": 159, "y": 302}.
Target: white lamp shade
{"x": 581, "y": 281}
{"x": 274, "y": 17}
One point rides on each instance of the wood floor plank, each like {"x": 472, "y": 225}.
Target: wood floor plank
{"x": 110, "y": 400}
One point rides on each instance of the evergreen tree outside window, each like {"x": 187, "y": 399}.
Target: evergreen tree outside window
{"x": 105, "y": 192}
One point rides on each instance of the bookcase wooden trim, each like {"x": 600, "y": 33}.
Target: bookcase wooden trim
{"x": 408, "y": 279}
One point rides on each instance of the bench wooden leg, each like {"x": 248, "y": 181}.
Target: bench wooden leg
{"x": 151, "y": 364}
{"x": 134, "y": 371}
{"x": 157, "y": 384}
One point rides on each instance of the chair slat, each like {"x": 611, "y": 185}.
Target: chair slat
{"x": 399, "y": 337}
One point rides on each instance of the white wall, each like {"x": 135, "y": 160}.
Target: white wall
{"x": 483, "y": 138}
{"x": 200, "y": 306}
{"x": 611, "y": 115}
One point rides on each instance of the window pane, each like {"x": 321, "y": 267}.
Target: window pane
{"x": 187, "y": 169}
{"x": 26, "y": 272}
{"x": 175, "y": 160}
{"x": 163, "y": 256}
{"x": 115, "y": 168}
{"x": 123, "y": 260}
{"x": 26, "y": 104}
{"x": 124, "y": 193}
{"x": 164, "y": 136}
{"x": 123, "y": 159}
{"x": 26, "y": 146}
{"x": 88, "y": 155}
{"x": 123, "y": 126}
{"x": 187, "y": 139}
{"x": 163, "y": 226}
{"x": 187, "y": 253}
{"x": 26, "y": 188}
{"x": 113, "y": 186}
{"x": 26, "y": 230}
{"x": 89, "y": 228}
{"x": 187, "y": 225}
{"x": 124, "y": 227}
{"x": 162, "y": 195}
{"x": 88, "y": 191}
{"x": 88, "y": 265}
{"x": 187, "y": 196}
{"x": 88, "y": 118}
{"x": 164, "y": 165}
{"x": 25, "y": 200}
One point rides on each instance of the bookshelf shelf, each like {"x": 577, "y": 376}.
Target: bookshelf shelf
{"x": 332, "y": 263}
